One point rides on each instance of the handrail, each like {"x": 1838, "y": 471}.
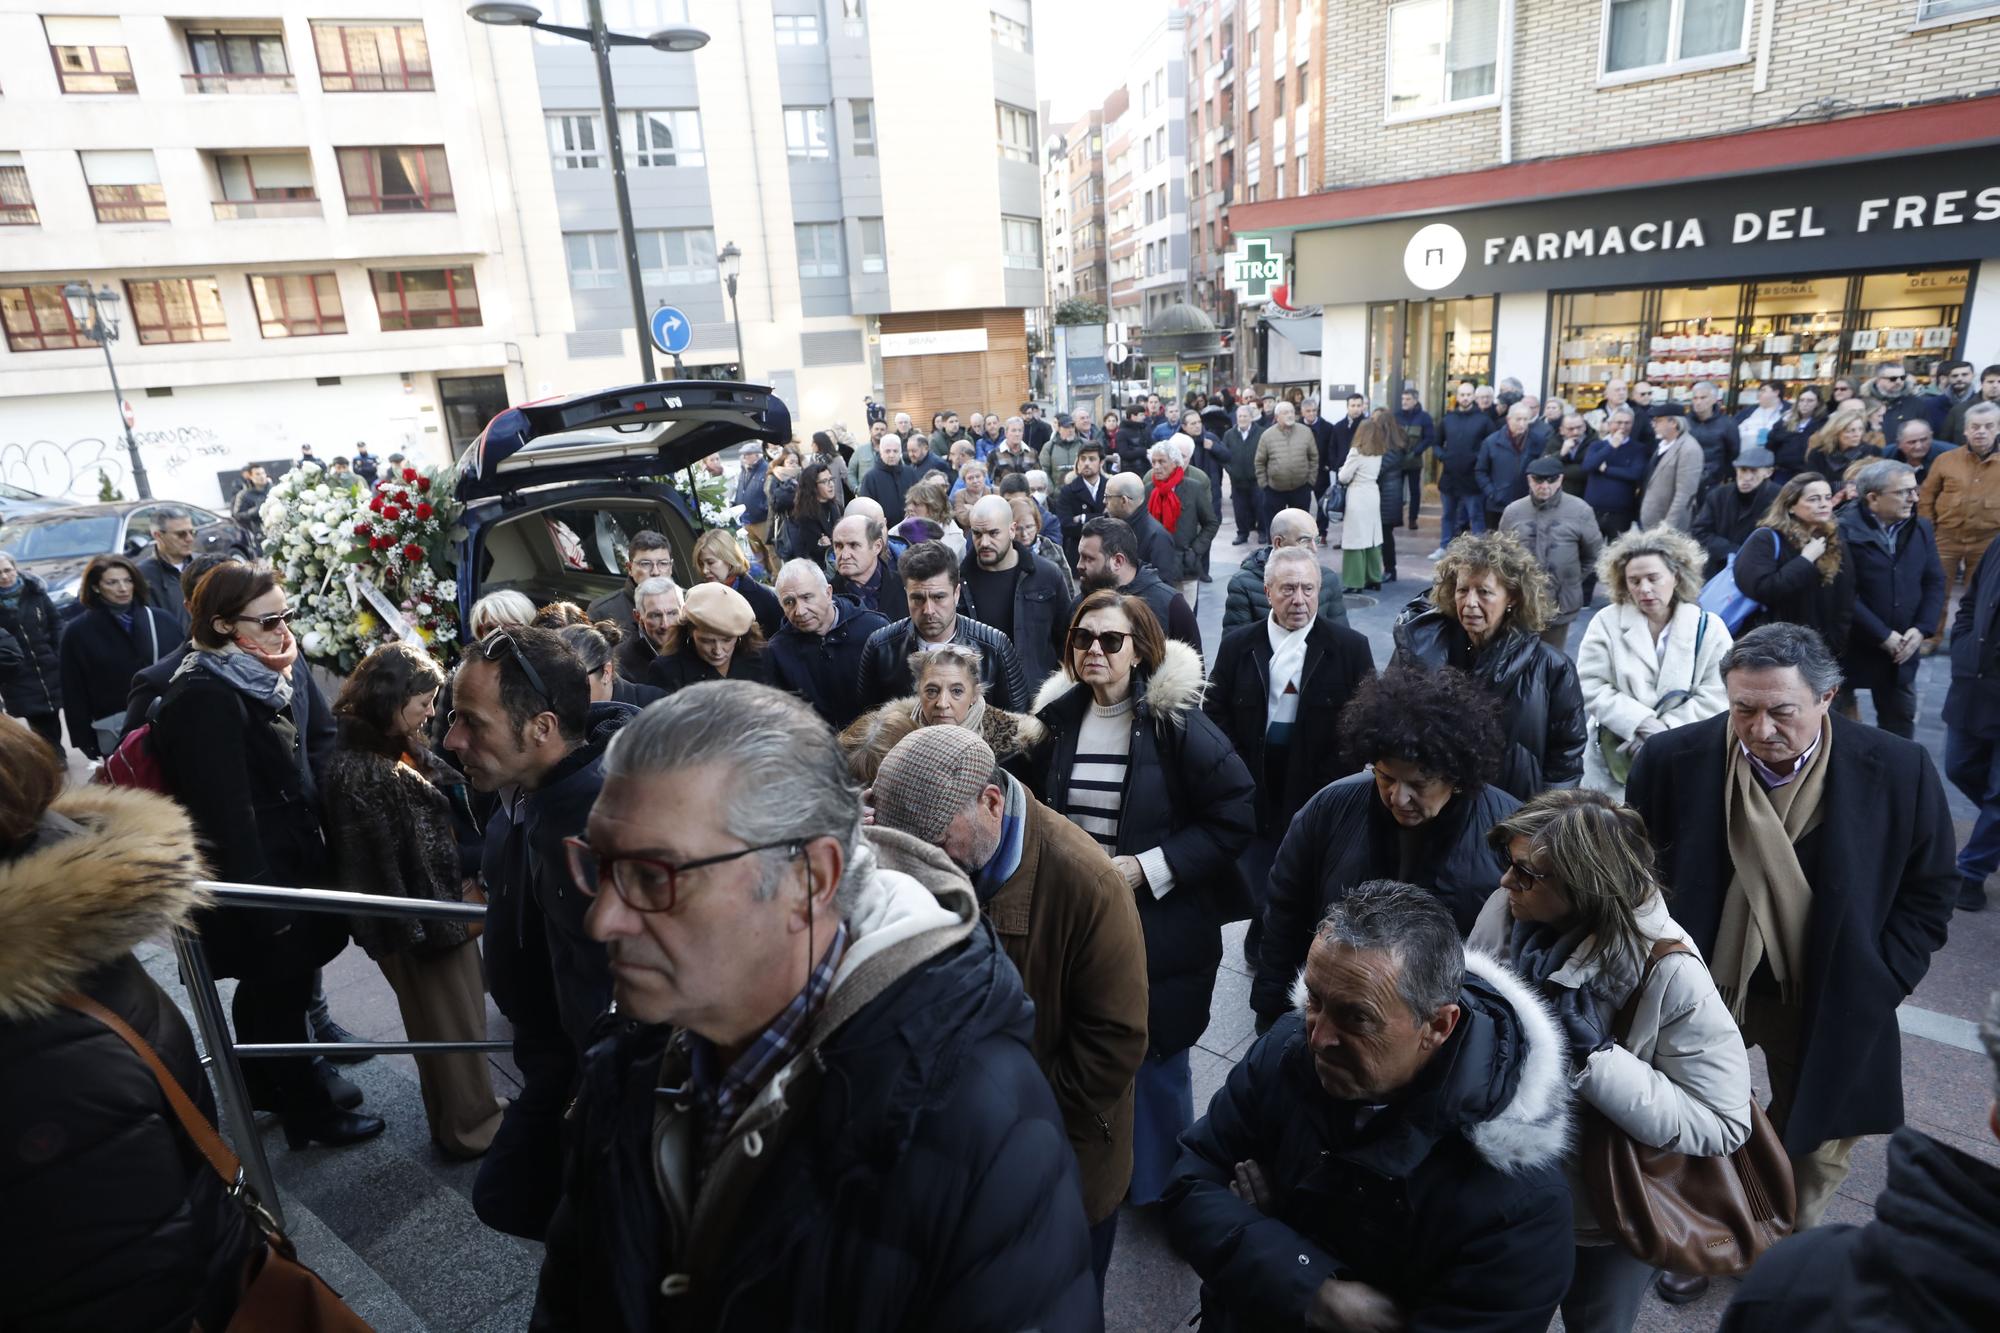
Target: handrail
{"x": 224, "y": 1054}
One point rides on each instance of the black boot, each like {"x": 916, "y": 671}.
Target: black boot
{"x": 264, "y": 1095}
{"x": 325, "y": 1030}
{"x": 330, "y": 1125}
{"x": 1675, "y": 1289}
{"x": 1971, "y": 895}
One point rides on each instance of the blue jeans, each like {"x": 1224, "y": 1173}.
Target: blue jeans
{"x": 1973, "y": 765}
{"x": 1462, "y": 513}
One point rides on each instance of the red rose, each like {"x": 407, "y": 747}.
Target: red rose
{"x": 363, "y": 530}
{"x": 409, "y": 474}
{"x": 378, "y": 543}
{"x": 413, "y": 552}
{"x": 376, "y": 504}
{"x": 391, "y": 513}
{"x": 402, "y": 497}
{"x": 423, "y": 510}
{"x": 423, "y": 483}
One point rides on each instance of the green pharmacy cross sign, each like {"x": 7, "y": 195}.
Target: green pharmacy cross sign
{"x": 1254, "y": 269}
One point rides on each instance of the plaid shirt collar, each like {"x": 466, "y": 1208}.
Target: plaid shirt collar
{"x": 721, "y": 1101}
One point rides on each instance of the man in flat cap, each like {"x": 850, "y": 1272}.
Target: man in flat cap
{"x": 1068, "y": 922}
{"x": 1562, "y": 531}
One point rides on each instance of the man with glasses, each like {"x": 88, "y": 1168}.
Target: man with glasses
{"x": 650, "y": 557}
{"x": 1891, "y": 389}
{"x": 657, "y": 610}
{"x": 1898, "y": 594}
{"x": 173, "y": 543}
{"x": 522, "y": 726}
{"x": 824, "y": 1097}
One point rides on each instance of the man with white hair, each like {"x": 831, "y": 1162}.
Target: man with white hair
{"x": 1013, "y": 449}
{"x": 824, "y": 1064}
{"x": 816, "y": 654}
{"x": 1013, "y": 590}
{"x": 1502, "y": 469}
{"x": 656, "y": 607}
{"x": 1125, "y": 499}
{"x": 1246, "y": 603}
{"x": 887, "y": 481}
{"x": 1287, "y": 456}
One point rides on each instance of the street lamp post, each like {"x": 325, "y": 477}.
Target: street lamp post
{"x": 601, "y": 40}
{"x": 95, "y": 314}
{"x": 731, "y": 260}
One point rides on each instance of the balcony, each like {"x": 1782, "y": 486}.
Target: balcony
{"x": 242, "y": 210}
{"x": 239, "y": 84}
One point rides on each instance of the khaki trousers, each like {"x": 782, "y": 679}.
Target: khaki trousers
{"x": 1777, "y": 1028}
{"x": 1955, "y": 550}
{"x": 443, "y": 999}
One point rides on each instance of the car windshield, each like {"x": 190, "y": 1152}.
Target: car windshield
{"x": 60, "y": 539}
{"x": 16, "y": 493}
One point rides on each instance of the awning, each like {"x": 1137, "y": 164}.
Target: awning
{"x": 1303, "y": 334}
{"x": 1292, "y": 357}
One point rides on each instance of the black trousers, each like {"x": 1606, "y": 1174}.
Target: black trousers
{"x": 1614, "y": 522}
{"x": 46, "y": 725}
{"x": 1413, "y": 482}
{"x": 274, "y": 988}
{"x": 1243, "y": 502}
{"x": 520, "y": 1177}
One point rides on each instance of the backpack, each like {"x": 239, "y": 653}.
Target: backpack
{"x": 133, "y": 764}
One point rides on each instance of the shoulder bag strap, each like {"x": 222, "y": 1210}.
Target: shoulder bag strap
{"x": 152, "y": 633}
{"x": 1700, "y": 633}
{"x": 1621, "y": 1025}
{"x": 192, "y": 1120}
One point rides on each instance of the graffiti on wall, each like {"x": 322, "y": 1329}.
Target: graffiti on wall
{"x": 71, "y": 471}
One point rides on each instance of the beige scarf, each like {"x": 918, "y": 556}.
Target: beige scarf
{"x": 1765, "y": 913}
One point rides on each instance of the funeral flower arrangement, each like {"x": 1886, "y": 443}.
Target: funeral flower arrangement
{"x": 365, "y": 567}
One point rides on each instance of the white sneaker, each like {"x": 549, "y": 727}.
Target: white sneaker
{"x": 1436, "y": 555}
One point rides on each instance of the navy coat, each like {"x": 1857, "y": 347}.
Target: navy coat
{"x": 1615, "y": 489}
{"x": 1502, "y": 469}
{"x": 1894, "y": 590}
{"x": 825, "y": 669}
{"x": 1972, "y": 705}
{"x": 1463, "y": 432}
{"x": 99, "y": 657}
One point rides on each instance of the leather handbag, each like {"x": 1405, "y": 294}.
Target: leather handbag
{"x": 1690, "y": 1215}
{"x": 280, "y": 1294}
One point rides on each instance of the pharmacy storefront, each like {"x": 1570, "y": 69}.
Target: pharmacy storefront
{"x": 1797, "y": 275}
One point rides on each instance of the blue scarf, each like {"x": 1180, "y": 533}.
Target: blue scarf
{"x": 1006, "y": 858}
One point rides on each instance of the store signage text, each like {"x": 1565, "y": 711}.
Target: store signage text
{"x": 1255, "y": 268}
{"x": 933, "y": 342}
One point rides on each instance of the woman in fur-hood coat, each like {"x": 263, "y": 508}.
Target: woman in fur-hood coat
{"x": 113, "y": 1219}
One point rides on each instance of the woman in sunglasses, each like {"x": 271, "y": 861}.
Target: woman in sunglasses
{"x": 228, "y": 740}
{"x": 1132, "y": 760}
{"x": 716, "y": 638}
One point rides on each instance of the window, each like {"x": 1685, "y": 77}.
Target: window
{"x": 1010, "y": 32}
{"x": 1933, "y": 10}
{"x": 17, "y": 201}
{"x": 797, "y": 29}
{"x": 593, "y": 260}
{"x": 1146, "y": 213}
{"x": 1017, "y": 132}
{"x": 576, "y": 141}
{"x": 874, "y": 247}
{"x": 1646, "y": 34}
{"x": 124, "y": 186}
{"x": 1021, "y": 242}
{"x": 297, "y": 305}
{"x": 425, "y": 298}
{"x": 265, "y": 185}
{"x": 1278, "y": 97}
{"x": 37, "y": 319}
{"x": 1442, "y": 53}
{"x": 819, "y": 250}
{"x": 234, "y": 61}
{"x": 177, "y": 310}
{"x": 396, "y": 180}
{"x": 863, "y": 112}
{"x": 805, "y": 133}
{"x": 89, "y": 54}
{"x": 372, "y": 57}
{"x": 664, "y": 139}
{"x": 679, "y": 257}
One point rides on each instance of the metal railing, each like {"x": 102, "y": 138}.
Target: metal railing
{"x": 221, "y": 1049}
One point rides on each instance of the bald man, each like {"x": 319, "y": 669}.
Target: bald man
{"x": 1010, "y": 588}
{"x": 1125, "y": 499}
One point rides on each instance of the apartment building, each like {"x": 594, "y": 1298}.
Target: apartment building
{"x": 1147, "y": 177}
{"x": 889, "y": 224}
{"x": 311, "y": 213}
{"x": 1572, "y": 191}
{"x": 1256, "y": 78}
{"x": 1073, "y": 212}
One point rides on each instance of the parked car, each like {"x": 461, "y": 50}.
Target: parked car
{"x": 553, "y": 491}
{"x": 55, "y": 545}
{"x": 18, "y": 500}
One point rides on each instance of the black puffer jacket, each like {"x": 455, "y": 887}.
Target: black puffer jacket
{"x": 1344, "y": 837}
{"x": 35, "y": 688}
{"x": 914, "y": 1175}
{"x": 1541, "y": 703}
{"x": 1186, "y": 793}
{"x": 1245, "y": 602}
{"x": 113, "y": 1219}
{"x": 1929, "y": 1260}
{"x": 1451, "y": 1201}
{"x": 885, "y": 664}
{"x": 1790, "y": 588}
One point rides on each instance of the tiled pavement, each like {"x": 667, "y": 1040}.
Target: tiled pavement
{"x": 390, "y": 1222}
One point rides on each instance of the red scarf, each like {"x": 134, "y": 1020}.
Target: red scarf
{"x": 1165, "y": 502}
{"x": 279, "y": 661}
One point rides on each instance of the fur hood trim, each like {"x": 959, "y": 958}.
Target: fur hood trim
{"x": 70, "y": 905}
{"x": 1172, "y": 691}
{"x": 1535, "y": 1127}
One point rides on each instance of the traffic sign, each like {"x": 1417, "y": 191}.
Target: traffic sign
{"x": 131, "y": 418}
{"x": 671, "y": 330}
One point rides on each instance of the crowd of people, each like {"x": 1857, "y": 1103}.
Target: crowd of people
{"x": 856, "y": 883}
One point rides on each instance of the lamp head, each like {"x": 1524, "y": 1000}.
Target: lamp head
{"x": 730, "y": 260}
{"x": 504, "y": 15}
{"x": 678, "y": 39}
{"x": 76, "y": 295}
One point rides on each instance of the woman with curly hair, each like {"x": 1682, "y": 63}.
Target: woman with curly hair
{"x": 1428, "y": 744}
{"x": 1488, "y": 604}
{"x": 1652, "y": 659}
{"x": 1842, "y": 442}
{"x": 949, "y": 693}
{"x": 1795, "y": 564}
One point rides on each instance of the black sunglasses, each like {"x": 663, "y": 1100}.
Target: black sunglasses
{"x": 500, "y": 644}
{"x": 271, "y": 622}
{"x": 1113, "y": 640}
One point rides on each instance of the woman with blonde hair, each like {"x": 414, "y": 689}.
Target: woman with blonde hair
{"x": 1652, "y": 659}
{"x": 927, "y": 516}
{"x": 1579, "y": 916}
{"x": 1488, "y": 604}
{"x": 1795, "y": 565}
{"x": 719, "y": 559}
{"x": 1842, "y": 442}
{"x": 1361, "y": 532}
{"x": 716, "y": 638}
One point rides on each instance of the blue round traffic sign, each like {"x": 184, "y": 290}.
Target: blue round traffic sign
{"x": 671, "y": 330}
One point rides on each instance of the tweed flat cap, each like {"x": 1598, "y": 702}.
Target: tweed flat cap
{"x": 718, "y": 609}
{"x": 931, "y": 775}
